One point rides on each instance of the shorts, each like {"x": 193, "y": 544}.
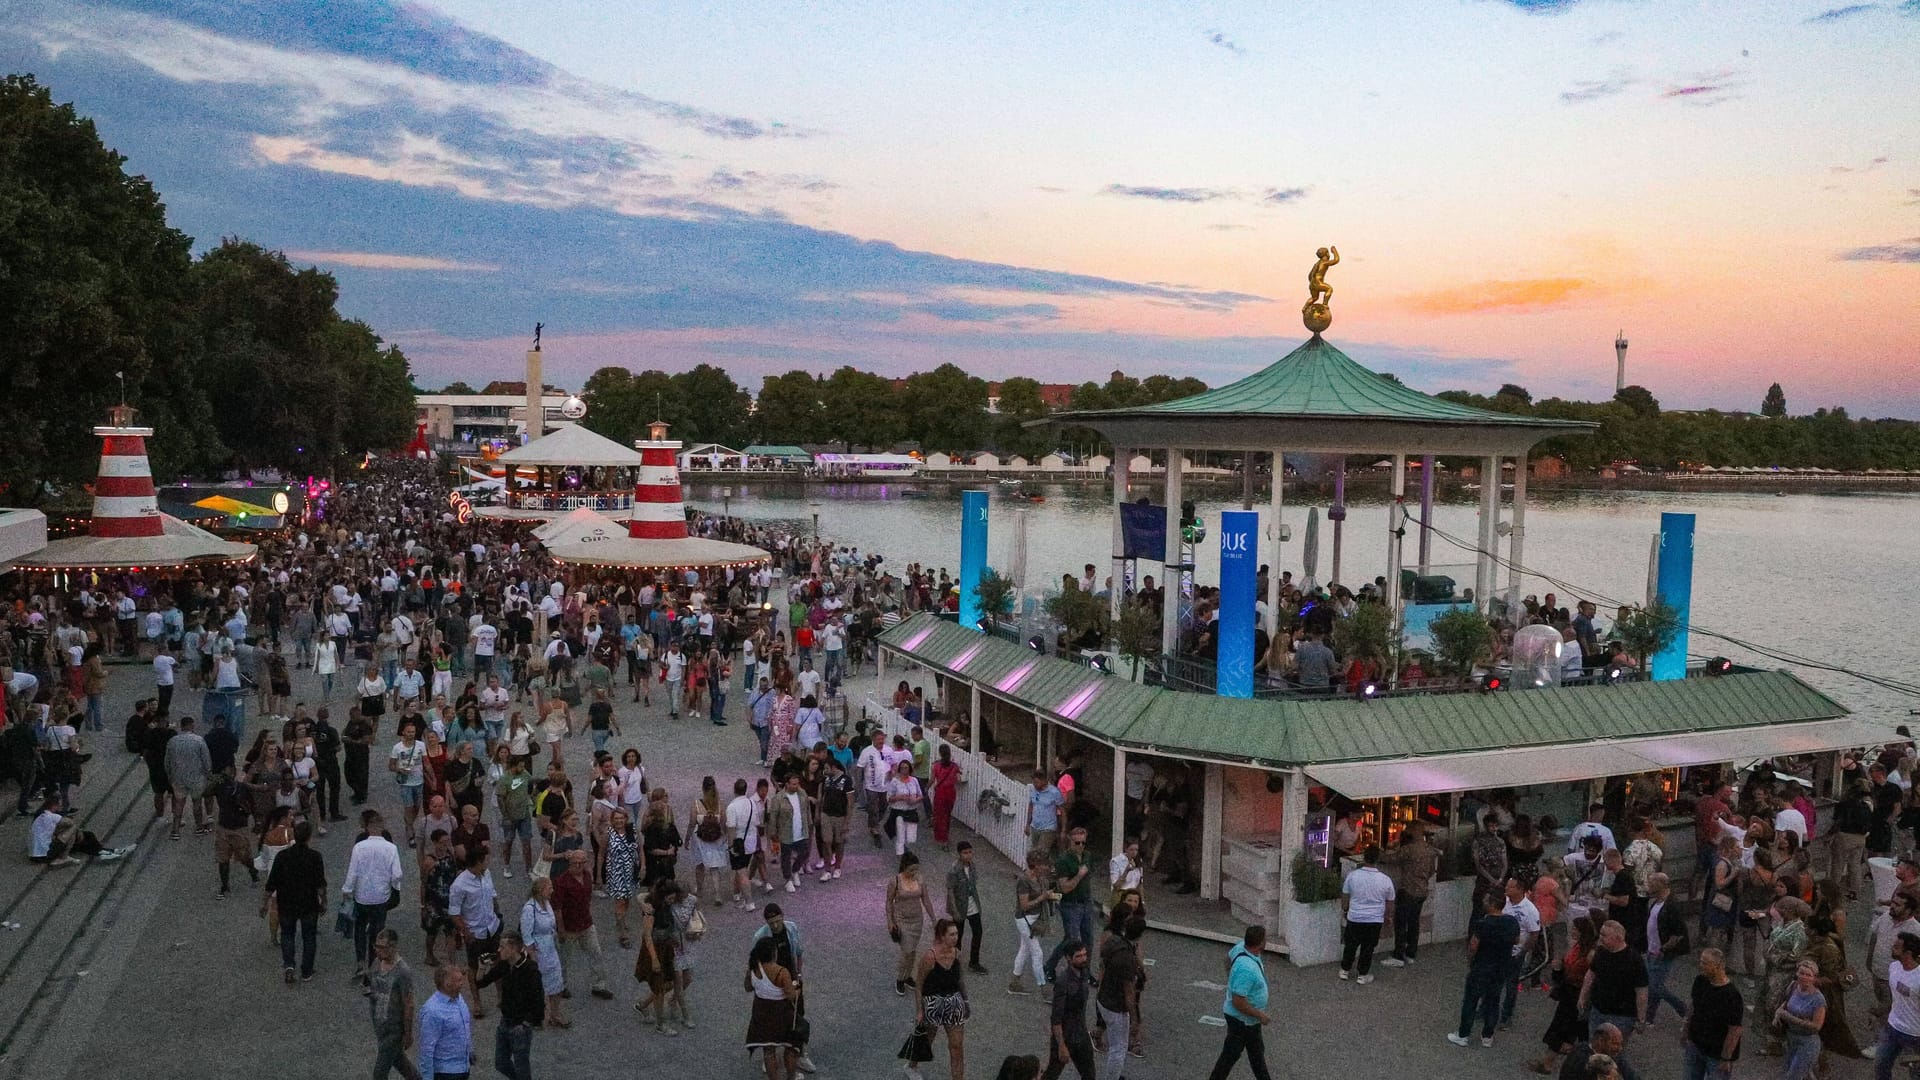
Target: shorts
{"x": 410, "y": 795}
{"x": 189, "y": 791}
{"x": 480, "y": 951}
{"x": 833, "y": 831}
{"x": 232, "y": 845}
{"x": 522, "y": 829}
{"x": 738, "y": 856}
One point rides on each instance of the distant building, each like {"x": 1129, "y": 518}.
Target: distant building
{"x": 472, "y": 418}
{"x": 1052, "y": 395}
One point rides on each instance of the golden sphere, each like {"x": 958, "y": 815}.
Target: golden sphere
{"x": 1317, "y": 317}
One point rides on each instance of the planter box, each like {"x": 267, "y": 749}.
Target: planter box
{"x": 1313, "y": 933}
{"x": 1449, "y": 910}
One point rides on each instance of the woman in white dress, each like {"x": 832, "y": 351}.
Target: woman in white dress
{"x": 706, "y": 825}
{"x": 541, "y": 929}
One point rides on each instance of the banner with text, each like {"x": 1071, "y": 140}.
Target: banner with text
{"x": 1239, "y": 553}
{"x": 973, "y": 554}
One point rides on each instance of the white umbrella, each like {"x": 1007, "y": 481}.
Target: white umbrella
{"x": 1310, "y": 550}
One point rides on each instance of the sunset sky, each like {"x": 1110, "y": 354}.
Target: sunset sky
{"x": 1055, "y": 190}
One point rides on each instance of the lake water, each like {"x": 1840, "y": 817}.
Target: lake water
{"x": 1831, "y": 577}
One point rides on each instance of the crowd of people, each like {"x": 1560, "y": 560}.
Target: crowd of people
{"x": 1591, "y": 915}
{"x": 460, "y": 703}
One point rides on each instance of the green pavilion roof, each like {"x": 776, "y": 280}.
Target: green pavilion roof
{"x": 1318, "y": 380}
{"x": 1758, "y": 713}
{"x": 1318, "y": 399}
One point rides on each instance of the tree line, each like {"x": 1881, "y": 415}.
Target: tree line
{"x": 945, "y": 409}
{"x": 235, "y": 358}
{"x": 1634, "y": 428}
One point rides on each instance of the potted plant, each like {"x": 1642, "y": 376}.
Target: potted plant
{"x": 995, "y": 593}
{"x": 1313, "y": 921}
{"x": 1647, "y": 630}
{"x": 1368, "y": 635}
{"x": 1462, "y": 638}
{"x": 1082, "y": 614}
{"x": 1136, "y": 633}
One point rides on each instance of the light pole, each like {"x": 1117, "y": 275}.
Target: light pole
{"x": 726, "y": 502}
{"x": 815, "y": 507}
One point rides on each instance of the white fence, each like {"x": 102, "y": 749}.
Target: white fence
{"x": 991, "y": 804}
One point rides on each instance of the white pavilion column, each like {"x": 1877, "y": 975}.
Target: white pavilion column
{"x": 1170, "y": 569}
{"x": 1396, "y": 521}
{"x": 1212, "y": 820}
{"x": 1118, "y": 812}
{"x": 1122, "y": 456}
{"x": 1518, "y": 537}
{"x": 1273, "y": 523}
{"x": 1489, "y": 522}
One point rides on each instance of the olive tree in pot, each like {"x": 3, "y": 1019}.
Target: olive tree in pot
{"x": 1461, "y": 638}
{"x": 995, "y": 593}
{"x": 1647, "y": 630}
{"x": 1368, "y": 635}
{"x": 1136, "y": 633}
{"x": 1082, "y": 614}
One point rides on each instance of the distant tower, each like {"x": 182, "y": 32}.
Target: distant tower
{"x": 536, "y": 390}
{"x": 1620, "y": 358}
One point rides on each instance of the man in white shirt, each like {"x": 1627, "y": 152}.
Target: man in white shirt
{"x": 495, "y": 703}
{"x": 474, "y": 908}
{"x": 743, "y": 830}
{"x": 676, "y": 664}
{"x": 1520, "y": 906}
{"x": 1124, "y": 871}
{"x": 876, "y": 766}
{"x": 1366, "y": 898}
{"x": 1787, "y": 819}
{"x": 485, "y": 638}
{"x": 408, "y": 684}
{"x": 373, "y": 873}
{"x": 163, "y": 664}
{"x": 1896, "y": 920}
{"x": 1902, "y": 1035}
{"x": 402, "y": 628}
{"x": 1592, "y": 826}
{"x": 407, "y": 762}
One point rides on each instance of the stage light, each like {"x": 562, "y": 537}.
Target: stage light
{"x": 1718, "y": 666}
{"x": 1369, "y": 690}
{"x": 1037, "y": 643}
{"x": 1613, "y": 674}
{"x": 1102, "y": 665}
{"x": 1490, "y": 683}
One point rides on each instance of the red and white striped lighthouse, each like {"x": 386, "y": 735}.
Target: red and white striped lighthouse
{"x": 658, "y": 513}
{"x": 123, "y": 498}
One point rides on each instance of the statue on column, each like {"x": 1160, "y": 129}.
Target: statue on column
{"x": 1316, "y": 314}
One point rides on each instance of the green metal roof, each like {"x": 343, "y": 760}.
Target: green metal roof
{"x": 1284, "y": 733}
{"x": 1318, "y": 380}
{"x": 760, "y": 450}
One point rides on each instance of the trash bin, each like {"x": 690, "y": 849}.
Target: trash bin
{"x": 1883, "y": 880}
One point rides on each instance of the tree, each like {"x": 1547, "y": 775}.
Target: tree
{"x": 92, "y": 282}
{"x": 859, "y": 408}
{"x": 717, "y": 409}
{"x": 945, "y": 409}
{"x": 1367, "y": 635}
{"x": 788, "y": 411}
{"x": 1082, "y": 614}
{"x": 1638, "y": 400}
{"x": 1462, "y": 638}
{"x": 458, "y": 387}
{"x": 1647, "y": 630}
{"x": 621, "y": 404}
{"x": 1775, "y": 403}
{"x": 1020, "y": 402}
{"x": 1511, "y": 390}
{"x": 995, "y": 594}
{"x": 1136, "y": 633}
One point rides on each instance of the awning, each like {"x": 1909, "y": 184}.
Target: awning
{"x": 1476, "y": 771}
{"x": 1616, "y": 757}
{"x": 1752, "y": 744}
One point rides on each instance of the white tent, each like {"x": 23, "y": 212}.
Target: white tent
{"x": 590, "y": 538}
{"x": 572, "y": 445}
{"x": 712, "y": 457}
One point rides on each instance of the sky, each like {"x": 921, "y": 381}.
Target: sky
{"x": 1055, "y": 190}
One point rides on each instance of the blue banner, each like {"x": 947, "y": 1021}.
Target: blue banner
{"x": 1143, "y": 531}
{"x": 1239, "y": 555}
{"x": 973, "y": 554}
{"x": 1674, "y": 585}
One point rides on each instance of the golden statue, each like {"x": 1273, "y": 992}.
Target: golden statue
{"x": 1316, "y": 314}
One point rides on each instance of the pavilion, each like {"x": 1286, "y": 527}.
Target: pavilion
{"x": 572, "y": 468}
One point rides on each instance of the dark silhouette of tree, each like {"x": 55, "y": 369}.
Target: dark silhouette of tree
{"x": 1775, "y": 403}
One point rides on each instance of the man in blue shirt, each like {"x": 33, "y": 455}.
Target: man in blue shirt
{"x": 1245, "y": 1008}
{"x": 1043, "y": 814}
{"x": 446, "y": 1028}
{"x": 1490, "y": 945}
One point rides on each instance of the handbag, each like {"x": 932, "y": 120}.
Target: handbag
{"x": 918, "y": 1047}
{"x": 696, "y": 927}
{"x": 1722, "y": 901}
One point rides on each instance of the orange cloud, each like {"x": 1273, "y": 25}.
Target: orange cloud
{"x": 372, "y": 260}
{"x": 1524, "y": 294}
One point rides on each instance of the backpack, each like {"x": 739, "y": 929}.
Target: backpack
{"x": 710, "y": 830}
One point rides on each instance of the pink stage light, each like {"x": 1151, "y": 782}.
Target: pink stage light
{"x": 960, "y": 662}
{"x": 1078, "y": 702}
{"x": 914, "y": 641}
{"x": 1015, "y": 677}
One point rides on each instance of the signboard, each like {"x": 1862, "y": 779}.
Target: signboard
{"x": 1239, "y": 550}
{"x": 1674, "y": 585}
{"x": 973, "y": 554}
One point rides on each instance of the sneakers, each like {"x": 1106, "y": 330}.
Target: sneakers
{"x": 836, "y": 873}
{"x": 111, "y": 854}
{"x": 287, "y": 976}
{"x": 738, "y": 899}
{"x": 978, "y": 969}
{"x": 64, "y": 860}
{"x": 826, "y": 875}
{"x": 791, "y": 887}
{"x": 1365, "y": 979}
{"x": 1345, "y": 974}
{"x": 1393, "y": 962}
{"x": 767, "y": 886}
{"x": 1457, "y": 1039}
{"x": 1486, "y": 1041}
{"x": 1018, "y": 988}
{"x": 806, "y": 1064}
{"x": 899, "y": 988}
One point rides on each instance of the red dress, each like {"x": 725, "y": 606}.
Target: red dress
{"x": 946, "y": 792}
